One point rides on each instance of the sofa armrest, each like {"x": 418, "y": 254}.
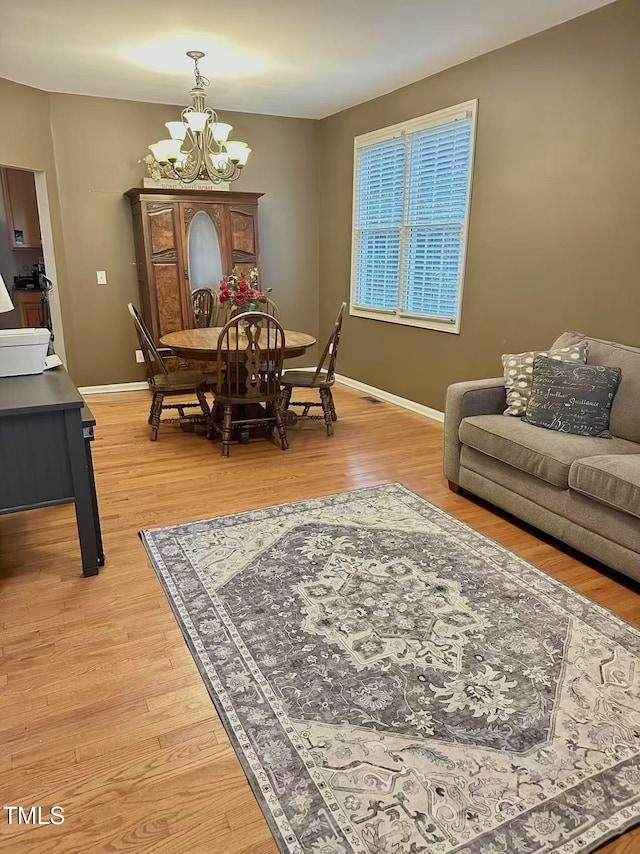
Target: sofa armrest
{"x": 477, "y": 397}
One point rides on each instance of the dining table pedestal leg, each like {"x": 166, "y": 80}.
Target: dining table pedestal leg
{"x": 240, "y": 412}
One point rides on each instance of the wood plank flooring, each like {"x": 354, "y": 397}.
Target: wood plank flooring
{"x": 102, "y": 709}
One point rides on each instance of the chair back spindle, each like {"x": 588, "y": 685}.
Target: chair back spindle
{"x": 251, "y": 356}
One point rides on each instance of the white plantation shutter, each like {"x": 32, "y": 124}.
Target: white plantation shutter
{"x": 436, "y": 210}
{"x": 411, "y": 206}
{"x": 378, "y": 219}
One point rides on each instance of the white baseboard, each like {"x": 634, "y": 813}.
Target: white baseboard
{"x": 418, "y": 408}
{"x": 404, "y": 402}
{"x": 108, "y": 389}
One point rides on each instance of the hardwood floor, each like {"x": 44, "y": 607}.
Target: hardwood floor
{"x": 102, "y": 709}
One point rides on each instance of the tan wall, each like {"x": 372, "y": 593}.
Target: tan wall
{"x": 555, "y": 221}
{"x": 97, "y": 145}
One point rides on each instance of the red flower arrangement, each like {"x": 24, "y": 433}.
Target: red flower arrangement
{"x": 242, "y": 295}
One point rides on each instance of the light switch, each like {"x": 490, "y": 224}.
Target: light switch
{"x": 101, "y": 276}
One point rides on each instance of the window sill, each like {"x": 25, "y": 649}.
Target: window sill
{"x": 406, "y": 321}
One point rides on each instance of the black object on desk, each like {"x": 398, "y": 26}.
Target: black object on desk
{"x": 45, "y": 454}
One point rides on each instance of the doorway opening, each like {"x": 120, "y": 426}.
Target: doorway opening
{"x": 27, "y": 259}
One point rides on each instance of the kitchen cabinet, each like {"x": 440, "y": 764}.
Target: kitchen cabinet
{"x": 29, "y": 302}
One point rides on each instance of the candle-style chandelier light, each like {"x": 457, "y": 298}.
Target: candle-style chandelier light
{"x": 199, "y": 147}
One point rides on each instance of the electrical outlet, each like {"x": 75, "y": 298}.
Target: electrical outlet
{"x": 101, "y": 277}
{"x": 139, "y": 357}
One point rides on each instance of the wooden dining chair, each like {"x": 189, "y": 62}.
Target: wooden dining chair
{"x": 203, "y": 301}
{"x": 321, "y": 379}
{"x": 165, "y": 383}
{"x": 250, "y": 358}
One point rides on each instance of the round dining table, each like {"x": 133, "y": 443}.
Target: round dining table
{"x": 202, "y": 344}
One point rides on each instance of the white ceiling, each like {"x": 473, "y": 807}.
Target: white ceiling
{"x": 286, "y": 57}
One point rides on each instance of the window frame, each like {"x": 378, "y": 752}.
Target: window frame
{"x": 467, "y": 109}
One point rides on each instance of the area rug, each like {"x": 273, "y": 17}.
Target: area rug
{"x": 394, "y": 682}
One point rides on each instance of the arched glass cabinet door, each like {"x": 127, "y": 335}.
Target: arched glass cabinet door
{"x": 204, "y": 253}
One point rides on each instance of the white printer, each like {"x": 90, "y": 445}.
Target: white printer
{"x": 23, "y": 351}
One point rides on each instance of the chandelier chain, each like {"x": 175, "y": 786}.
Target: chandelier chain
{"x": 201, "y": 81}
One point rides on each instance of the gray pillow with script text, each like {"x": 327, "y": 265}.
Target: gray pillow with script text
{"x": 572, "y": 398}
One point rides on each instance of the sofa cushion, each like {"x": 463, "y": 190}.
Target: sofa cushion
{"x": 519, "y": 482}
{"x": 625, "y": 412}
{"x": 611, "y": 480}
{"x": 611, "y": 526}
{"x": 542, "y": 453}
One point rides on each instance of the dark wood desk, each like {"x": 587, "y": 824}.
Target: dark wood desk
{"x": 45, "y": 454}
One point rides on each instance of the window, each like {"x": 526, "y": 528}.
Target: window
{"x": 412, "y": 187}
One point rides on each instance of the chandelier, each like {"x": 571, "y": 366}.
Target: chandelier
{"x": 199, "y": 146}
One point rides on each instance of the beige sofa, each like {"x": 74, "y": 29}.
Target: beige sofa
{"x": 584, "y": 491}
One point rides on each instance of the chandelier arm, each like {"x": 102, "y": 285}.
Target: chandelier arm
{"x": 190, "y": 135}
{"x": 183, "y": 178}
{"x": 216, "y": 175}
{"x": 211, "y": 146}
{"x": 189, "y": 138}
{"x": 189, "y": 172}
{"x": 198, "y": 162}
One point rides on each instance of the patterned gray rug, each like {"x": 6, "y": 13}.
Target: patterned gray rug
{"x": 394, "y": 682}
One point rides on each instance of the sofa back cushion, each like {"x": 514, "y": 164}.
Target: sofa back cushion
{"x": 625, "y": 412}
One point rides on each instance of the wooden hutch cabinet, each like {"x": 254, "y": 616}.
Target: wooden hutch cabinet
{"x": 185, "y": 240}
